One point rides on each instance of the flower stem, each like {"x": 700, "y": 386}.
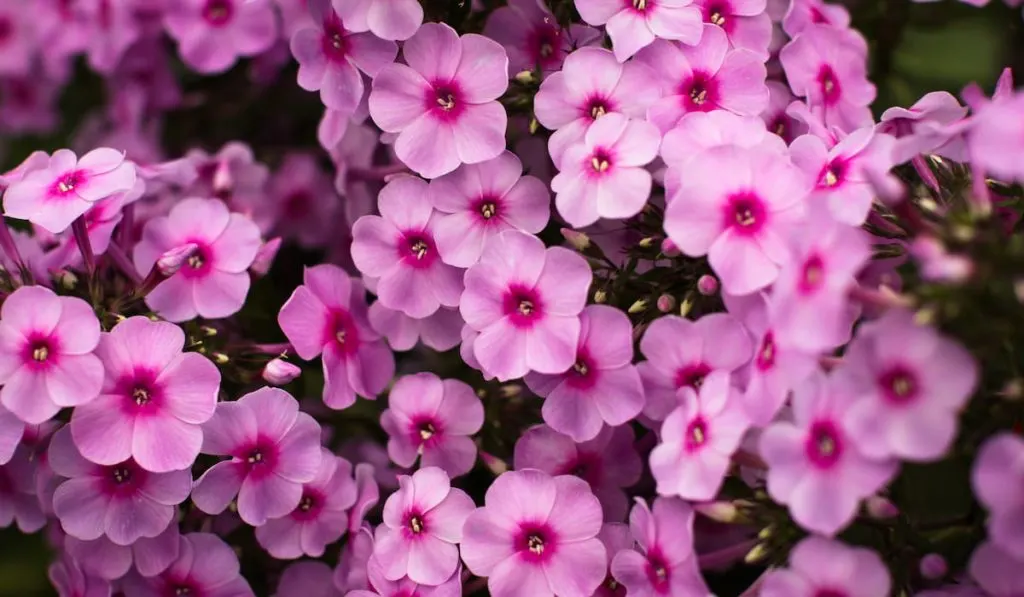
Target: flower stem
{"x": 13, "y": 254}
{"x": 120, "y": 259}
{"x": 81, "y": 232}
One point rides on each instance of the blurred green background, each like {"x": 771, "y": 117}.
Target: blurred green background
{"x": 915, "y": 48}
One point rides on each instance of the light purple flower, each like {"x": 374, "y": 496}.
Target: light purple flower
{"x": 308, "y": 578}
{"x": 11, "y": 431}
{"x": 114, "y": 29}
{"x": 698, "y": 440}
{"x": 801, "y": 14}
{"x": 533, "y": 38}
{"x": 739, "y": 221}
{"x": 302, "y": 203}
{"x": 29, "y": 105}
{"x": 635, "y": 24}
{"x": 911, "y": 384}
{"x": 925, "y": 127}
{"x": 19, "y": 503}
{"x": 997, "y": 571}
{"x": 355, "y": 561}
{"x": 525, "y": 301}
{"x": 380, "y": 586}
{"x": 843, "y": 174}
{"x": 608, "y": 463}
{"x": 477, "y": 201}
{"x": 602, "y": 387}
{"x": 440, "y": 331}
{"x": 615, "y": 536}
{"x": 46, "y": 353}
{"x": 123, "y": 502}
{"x": 328, "y": 314}
{"x": 665, "y": 563}
{"x": 106, "y": 559}
{"x": 591, "y": 84}
{"x": 153, "y": 401}
{"x": 205, "y": 566}
{"x": 331, "y": 55}
{"x": 776, "y": 117}
{"x": 994, "y": 137}
{"x": 995, "y": 478}
{"x": 681, "y": 353}
{"x": 422, "y": 528}
{"x": 708, "y": 76}
{"x": 819, "y": 566}
{"x": 536, "y": 535}
{"x": 816, "y": 466}
{"x": 432, "y": 419}
{"x": 274, "y": 450}
{"x": 828, "y": 66}
{"x": 52, "y": 197}
{"x": 387, "y": 19}
{"x": 321, "y": 517}
{"x": 604, "y": 175}
{"x": 399, "y": 249}
{"x": 214, "y": 281}
{"x": 19, "y": 43}
{"x": 443, "y": 104}
{"x": 70, "y": 580}
{"x": 213, "y": 34}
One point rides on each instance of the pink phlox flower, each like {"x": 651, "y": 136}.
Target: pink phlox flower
{"x": 775, "y": 116}
{"x": 746, "y": 22}
{"x": 591, "y": 84}
{"x": 698, "y": 439}
{"x": 380, "y": 586}
{"x": 533, "y": 38}
{"x": 356, "y": 150}
{"x": 100, "y": 221}
{"x": 525, "y": 301}
{"x": 997, "y": 468}
{"x": 29, "y": 105}
{"x": 810, "y": 308}
{"x": 443, "y": 102}
{"x": 387, "y": 19}
{"x": 635, "y": 24}
{"x": 708, "y": 76}
{"x": 604, "y": 175}
{"x": 422, "y": 528}
{"x": 206, "y": 565}
{"x": 327, "y": 314}
{"x": 19, "y": 501}
{"x": 37, "y": 160}
{"x": 433, "y": 419}
{"x": 54, "y": 196}
{"x": 440, "y": 331}
{"x": 477, "y": 201}
{"x": 302, "y": 203}
{"x": 819, "y": 566}
{"x": 739, "y": 221}
{"x": 231, "y": 173}
{"x": 295, "y": 15}
{"x": 399, "y": 248}
{"x": 996, "y": 570}
{"x": 609, "y": 463}
{"x": 114, "y": 29}
{"x": 665, "y": 562}
{"x": 602, "y": 386}
{"x": 367, "y": 496}
{"x": 11, "y": 431}
{"x": 816, "y": 465}
{"x": 321, "y": 517}
{"x": 153, "y": 401}
{"x": 123, "y": 502}
{"x": 213, "y": 34}
{"x": 995, "y": 136}
{"x": 351, "y": 574}
{"x": 828, "y": 66}
{"x": 70, "y": 580}
{"x": 46, "y": 353}
{"x": 911, "y": 384}
{"x": 776, "y": 368}
{"x": 536, "y": 535}
{"x": 681, "y": 353}
{"x": 274, "y": 450}
{"x": 926, "y": 127}
{"x": 108, "y": 560}
{"x": 331, "y": 55}
{"x": 802, "y": 14}
{"x": 308, "y": 578}
{"x": 19, "y": 42}
{"x": 615, "y": 536}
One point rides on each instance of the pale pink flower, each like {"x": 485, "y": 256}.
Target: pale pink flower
{"x": 387, "y": 19}
{"x": 746, "y": 22}
{"x": 995, "y": 479}
{"x": 635, "y": 24}
{"x": 533, "y": 38}
{"x": 213, "y": 34}
{"x": 818, "y": 567}
{"x": 206, "y": 566}
{"x": 801, "y": 14}
{"x": 19, "y": 41}
{"x": 440, "y": 331}
{"x": 926, "y": 127}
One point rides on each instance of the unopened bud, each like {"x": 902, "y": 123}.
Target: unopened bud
{"x": 757, "y": 554}
{"x": 534, "y": 126}
{"x": 222, "y": 179}
{"x": 725, "y": 512}
{"x": 707, "y": 285}
{"x": 525, "y": 77}
{"x": 638, "y": 306}
{"x": 511, "y": 390}
{"x": 1018, "y": 289}
{"x": 220, "y": 358}
{"x": 171, "y": 261}
{"x": 265, "y": 257}
{"x": 766, "y": 533}
{"x": 208, "y": 331}
{"x": 65, "y": 278}
{"x": 600, "y": 296}
{"x": 1012, "y": 390}
{"x": 646, "y": 243}
{"x": 933, "y": 566}
{"x": 492, "y": 462}
{"x": 880, "y": 508}
{"x": 579, "y": 240}
{"x": 669, "y": 248}
{"x": 279, "y": 372}
{"x": 666, "y": 303}
{"x": 684, "y": 309}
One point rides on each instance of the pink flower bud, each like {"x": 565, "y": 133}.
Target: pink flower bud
{"x": 933, "y": 566}
{"x": 265, "y": 257}
{"x": 170, "y": 262}
{"x": 669, "y": 248}
{"x": 579, "y": 240}
{"x": 707, "y": 285}
{"x": 279, "y": 372}
{"x": 880, "y": 508}
{"x": 666, "y": 303}
{"x": 222, "y": 179}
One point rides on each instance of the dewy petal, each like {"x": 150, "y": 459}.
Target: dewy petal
{"x": 502, "y": 351}
{"x": 163, "y": 444}
{"x": 527, "y": 494}
{"x": 78, "y": 327}
{"x": 370, "y": 53}
{"x": 624, "y": 194}
{"x": 396, "y": 100}
{"x": 741, "y": 83}
{"x": 597, "y": 12}
{"x": 483, "y": 70}
{"x": 127, "y": 520}
{"x": 511, "y": 578}
{"x": 300, "y": 455}
{"x": 401, "y": 203}
{"x": 375, "y": 245}
{"x": 486, "y": 541}
{"x": 564, "y": 282}
{"x": 448, "y": 517}
{"x": 32, "y": 309}
{"x": 434, "y": 52}
{"x": 308, "y": 51}
{"x": 479, "y": 132}
{"x": 274, "y": 412}
{"x": 432, "y": 561}
{"x": 236, "y": 247}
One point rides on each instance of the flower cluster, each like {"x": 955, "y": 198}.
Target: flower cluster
{"x": 708, "y": 310}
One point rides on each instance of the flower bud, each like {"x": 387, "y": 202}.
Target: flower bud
{"x": 279, "y": 372}
{"x": 725, "y": 512}
{"x": 220, "y": 358}
{"x": 600, "y": 296}
{"x": 757, "y": 554}
{"x": 880, "y": 508}
{"x": 171, "y": 261}
{"x": 222, "y": 179}
{"x": 265, "y": 257}
{"x": 646, "y": 243}
{"x": 65, "y": 278}
{"x": 525, "y": 77}
{"x": 666, "y": 303}
{"x": 684, "y": 309}
{"x": 638, "y": 306}
{"x": 669, "y": 248}
{"x": 707, "y": 285}
{"x": 1018, "y": 289}
{"x": 579, "y": 240}
{"x": 933, "y": 566}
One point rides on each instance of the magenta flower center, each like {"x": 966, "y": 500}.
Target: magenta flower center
{"x": 123, "y": 479}
{"x": 425, "y": 431}
{"x": 899, "y": 385}
{"x": 182, "y": 588}
{"x": 342, "y": 332}
{"x": 601, "y": 161}
{"x": 199, "y": 263}
{"x": 833, "y": 173}
{"x": 543, "y": 42}
{"x": 717, "y": 13}
{"x": 766, "y": 354}
{"x": 297, "y": 204}
{"x": 696, "y": 434}
{"x": 812, "y": 275}
{"x": 309, "y": 506}
{"x": 535, "y": 542}
{"x": 487, "y": 207}
{"x": 658, "y": 571}
{"x": 640, "y": 6}
{"x": 6, "y": 30}
{"x": 691, "y": 376}
{"x": 700, "y": 92}
{"x": 140, "y": 393}
{"x": 829, "y": 84}
{"x": 583, "y": 374}
{"x": 780, "y": 126}
{"x": 522, "y": 306}
{"x": 414, "y": 523}
{"x": 745, "y": 213}
{"x": 334, "y": 44}
{"x": 416, "y": 250}
{"x": 39, "y": 351}
{"x": 596, "y": 107}
{"x": 259, "y": 458}
{"x": 444, "y": 100}
{"x": 824, "y": 444}
{"x": 218, "y": 12}
{"x": 67, "y": 182}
